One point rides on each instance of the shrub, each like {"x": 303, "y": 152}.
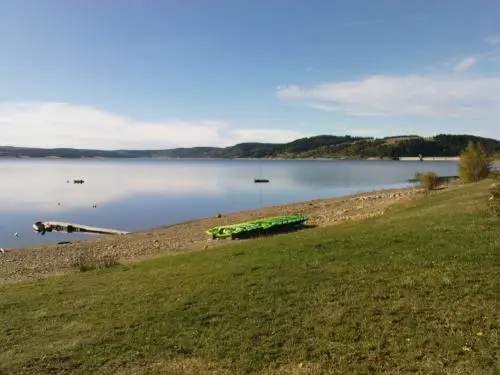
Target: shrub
{"x": 428, "y": 180}
{"x": 495, "y": 175}
{"x": 494, "y": 199}
{"x": 474, "y": 163}
{"x": 89, "y": 261}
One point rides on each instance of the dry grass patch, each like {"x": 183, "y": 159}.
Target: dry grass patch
{"x": 91, "y": 260}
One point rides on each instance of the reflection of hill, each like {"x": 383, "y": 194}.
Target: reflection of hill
{"x": 311, "y": 178}
{"x": 29, "y": 185}
{"x": 348, "y": 174}
{"x": 343, "y": 174}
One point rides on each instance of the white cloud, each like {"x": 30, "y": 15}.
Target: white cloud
{"x": 66, "y": 125}
{"x": 465, "y": 64}
{"x": 493, "y": 39}
{"x": 414, "y": 95}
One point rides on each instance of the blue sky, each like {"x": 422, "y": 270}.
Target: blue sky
{"x": 137, "y": 74}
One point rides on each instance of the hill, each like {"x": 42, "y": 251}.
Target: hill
{"x": 412, "y": 291}
{"x": 322, "y": 146}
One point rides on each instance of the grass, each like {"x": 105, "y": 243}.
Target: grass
{"x": 412, "y": 292}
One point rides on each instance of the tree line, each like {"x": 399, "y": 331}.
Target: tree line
{"x": 322, "y": 146}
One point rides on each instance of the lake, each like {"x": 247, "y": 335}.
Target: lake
{"x": 139, "y": 194}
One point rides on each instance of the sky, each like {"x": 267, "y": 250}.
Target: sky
{"x": 179, "y": 73}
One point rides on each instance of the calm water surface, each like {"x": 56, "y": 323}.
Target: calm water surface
{"x": 141, "y": 194}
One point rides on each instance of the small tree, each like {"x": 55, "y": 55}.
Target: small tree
{"x": 428, "y": 180}
{"x": 474, "y": 163}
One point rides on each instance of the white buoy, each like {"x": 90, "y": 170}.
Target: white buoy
{"x": 16, "y": 234}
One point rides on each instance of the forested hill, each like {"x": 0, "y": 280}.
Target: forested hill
{"x": 322, "y": 146}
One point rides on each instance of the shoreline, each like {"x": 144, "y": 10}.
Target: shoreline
{"x": 496, "y": 160}
{"x": 401, "y": 159}
{"x": 39, "y": 261}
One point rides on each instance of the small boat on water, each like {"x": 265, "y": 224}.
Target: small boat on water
{"x": 260, "y": 179}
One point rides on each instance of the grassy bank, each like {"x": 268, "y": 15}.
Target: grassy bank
{"x": 413, "y": 291}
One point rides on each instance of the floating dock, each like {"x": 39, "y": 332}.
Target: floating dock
{"x": 56, "y": 226}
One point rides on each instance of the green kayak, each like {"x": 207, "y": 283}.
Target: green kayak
{"x": 257, "y": 226}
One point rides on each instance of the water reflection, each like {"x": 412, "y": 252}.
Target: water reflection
{"x": 140, "y": 194}
{"x": 355, "y": 174}
{"x": 41, "y": 185}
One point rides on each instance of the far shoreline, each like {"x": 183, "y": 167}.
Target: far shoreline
{"x": 402, "y": 158}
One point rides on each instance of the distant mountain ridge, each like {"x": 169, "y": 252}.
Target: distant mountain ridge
{"x": 321, "y": 146}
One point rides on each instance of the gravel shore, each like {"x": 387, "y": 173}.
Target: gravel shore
{"x": 36, "y": 262}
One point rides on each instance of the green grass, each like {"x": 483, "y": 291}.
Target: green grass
{"x": 413, "y": 292}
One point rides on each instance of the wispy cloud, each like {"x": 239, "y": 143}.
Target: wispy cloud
{"x": 323, "y": 107}
{"x": 50, "y": 124}
{"x": 492, "y": 39}
{"x": 412, "y": 95}
{"x": 465, "y": 64}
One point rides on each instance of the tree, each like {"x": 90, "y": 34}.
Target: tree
{"x": 474, "y": 163}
